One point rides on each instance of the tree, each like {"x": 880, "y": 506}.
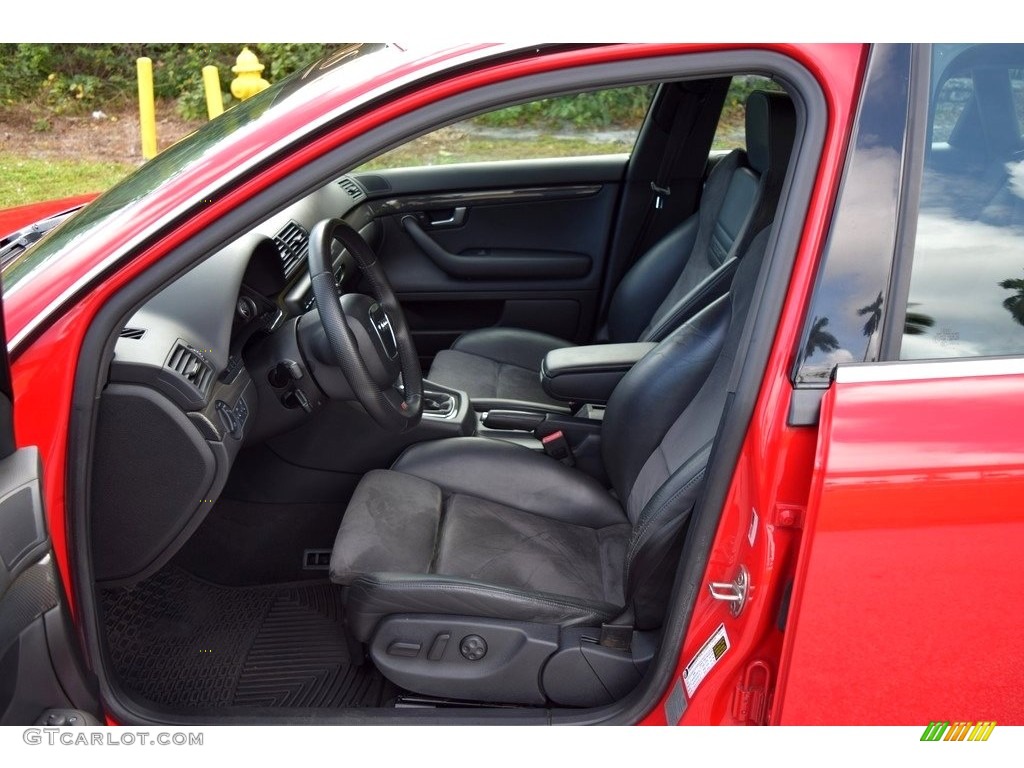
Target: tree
{"x": 916, "y": 323}
{"x": 819, "y": 338}
{"x": 1014, "y": 304}
{"x": 874, "y": 315}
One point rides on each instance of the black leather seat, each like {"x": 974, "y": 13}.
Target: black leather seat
{"x": 678, "y": 276}
{"x": 467, "y": 530}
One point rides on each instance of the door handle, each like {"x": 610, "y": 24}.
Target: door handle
{"x": 455, "y": 217}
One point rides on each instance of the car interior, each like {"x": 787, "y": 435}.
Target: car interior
{"x": 286, "y": 513}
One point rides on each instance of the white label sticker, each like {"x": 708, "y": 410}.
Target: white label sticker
{"x": 752, "y": 531}
{"x": 705, "y": 659}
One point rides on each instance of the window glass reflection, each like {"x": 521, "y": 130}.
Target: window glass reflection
{"x": 848, "y": 308}
{"x": 967, "y": 281}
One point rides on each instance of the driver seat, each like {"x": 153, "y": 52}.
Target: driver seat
{"x": 471, "y": 560}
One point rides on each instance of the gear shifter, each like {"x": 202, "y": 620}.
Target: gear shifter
{"x": 438, "y": 404}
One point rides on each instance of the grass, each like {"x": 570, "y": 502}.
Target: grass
{"x": 30, "y": 180}
{"x": 447, "y": 146}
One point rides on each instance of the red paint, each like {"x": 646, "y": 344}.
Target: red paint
{"x": 43, "y": 378}
{"x": 906, "y": 609}
{"x": 13, "y": 219}
{"x": 775, "y": 461}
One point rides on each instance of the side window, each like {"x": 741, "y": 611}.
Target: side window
{"x": 1017, "y": 85}
{"x": 592, "y": 123}
{"x": 967, "y": 280}
{"x": 731, "y": 131}
{"x": 950, "y": 100}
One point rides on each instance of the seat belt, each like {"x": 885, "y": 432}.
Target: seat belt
{"x": 683, "y": 122}
{"x": 689, "y": 115}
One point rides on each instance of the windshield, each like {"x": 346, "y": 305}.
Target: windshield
{"x": 172, "y": 162}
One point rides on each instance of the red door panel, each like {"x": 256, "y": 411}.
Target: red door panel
{"x": 908, "y": 589}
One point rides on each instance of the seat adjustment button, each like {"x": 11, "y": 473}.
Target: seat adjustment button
{"x": 473, "y": 647}
{"x": 438, "y": 646}
{"x": 398, "y": 648}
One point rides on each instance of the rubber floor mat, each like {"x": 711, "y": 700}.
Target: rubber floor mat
{"x": 188, "y": 644}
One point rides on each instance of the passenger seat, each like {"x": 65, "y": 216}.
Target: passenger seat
{"x": 682, "y": 273}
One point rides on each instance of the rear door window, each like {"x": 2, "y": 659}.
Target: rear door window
{"x": 967, "y": 281}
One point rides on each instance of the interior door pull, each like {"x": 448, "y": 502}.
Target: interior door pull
{"x": 455, "y": 218}
{"x": 497, "y": 263}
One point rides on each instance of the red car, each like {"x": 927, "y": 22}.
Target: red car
{"x": 706, "y": 421}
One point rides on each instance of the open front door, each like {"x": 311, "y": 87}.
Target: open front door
{"x": 907, "y": 604}
{"x": 41, "y": 674}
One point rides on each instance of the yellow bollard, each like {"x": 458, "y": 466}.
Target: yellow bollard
{"x": 147, "y": 109}
{"x": 211, "y": 84}
{"x": 248, "y": 83}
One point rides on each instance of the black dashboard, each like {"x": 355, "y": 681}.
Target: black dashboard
{"x": 192, "y": 333}
{"x": 179, "y": 401}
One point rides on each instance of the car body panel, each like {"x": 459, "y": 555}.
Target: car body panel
{"x": 908, "y": 580}
{"x": 13, "y": 219}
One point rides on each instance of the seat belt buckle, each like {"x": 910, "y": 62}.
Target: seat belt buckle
{"x": 557, "y": 447}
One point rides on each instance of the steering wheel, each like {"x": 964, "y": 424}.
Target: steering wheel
{"x": 368, "y": 336}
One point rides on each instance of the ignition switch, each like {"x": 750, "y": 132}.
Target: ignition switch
{"x": 284, "y": 373}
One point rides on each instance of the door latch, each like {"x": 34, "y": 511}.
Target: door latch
{"x": 752, "y": 696}
{"x": 733, "y": 592}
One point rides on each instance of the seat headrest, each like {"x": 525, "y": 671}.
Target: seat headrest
{"x": 771, "y": 127}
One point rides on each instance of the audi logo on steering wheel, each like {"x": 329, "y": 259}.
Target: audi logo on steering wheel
{"x": 382, "y": 325}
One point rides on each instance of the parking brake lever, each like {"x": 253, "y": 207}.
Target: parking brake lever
{"x": 524, "y": 421}
{"x": 551, "y": 437}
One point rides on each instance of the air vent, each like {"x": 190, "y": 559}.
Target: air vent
{"x": 132, "y": 333}
{"x": 189, "y": 365}
{"x": 293, "y": 242}
{"x": 352, "y": 189}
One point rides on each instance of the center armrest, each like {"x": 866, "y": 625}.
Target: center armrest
{"x": 589, "y": 374}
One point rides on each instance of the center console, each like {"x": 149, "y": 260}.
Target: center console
{"x": 583, "y": 377}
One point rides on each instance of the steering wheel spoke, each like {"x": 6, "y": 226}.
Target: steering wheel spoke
{"x": 369, "y": 339}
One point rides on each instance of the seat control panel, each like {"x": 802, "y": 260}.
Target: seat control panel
{"x": 467, "y": 658}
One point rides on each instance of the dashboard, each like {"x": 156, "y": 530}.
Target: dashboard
{"x": 180, "y": 401}
{"x": 193, "y": 332}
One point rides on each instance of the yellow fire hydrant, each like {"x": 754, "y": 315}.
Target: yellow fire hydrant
{"x": 248, "y": 81}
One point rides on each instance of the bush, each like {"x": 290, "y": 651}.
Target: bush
{"x": 68, "y": 77}
{"x": 607, "y": 108}
{"x": 185, "y": 69}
